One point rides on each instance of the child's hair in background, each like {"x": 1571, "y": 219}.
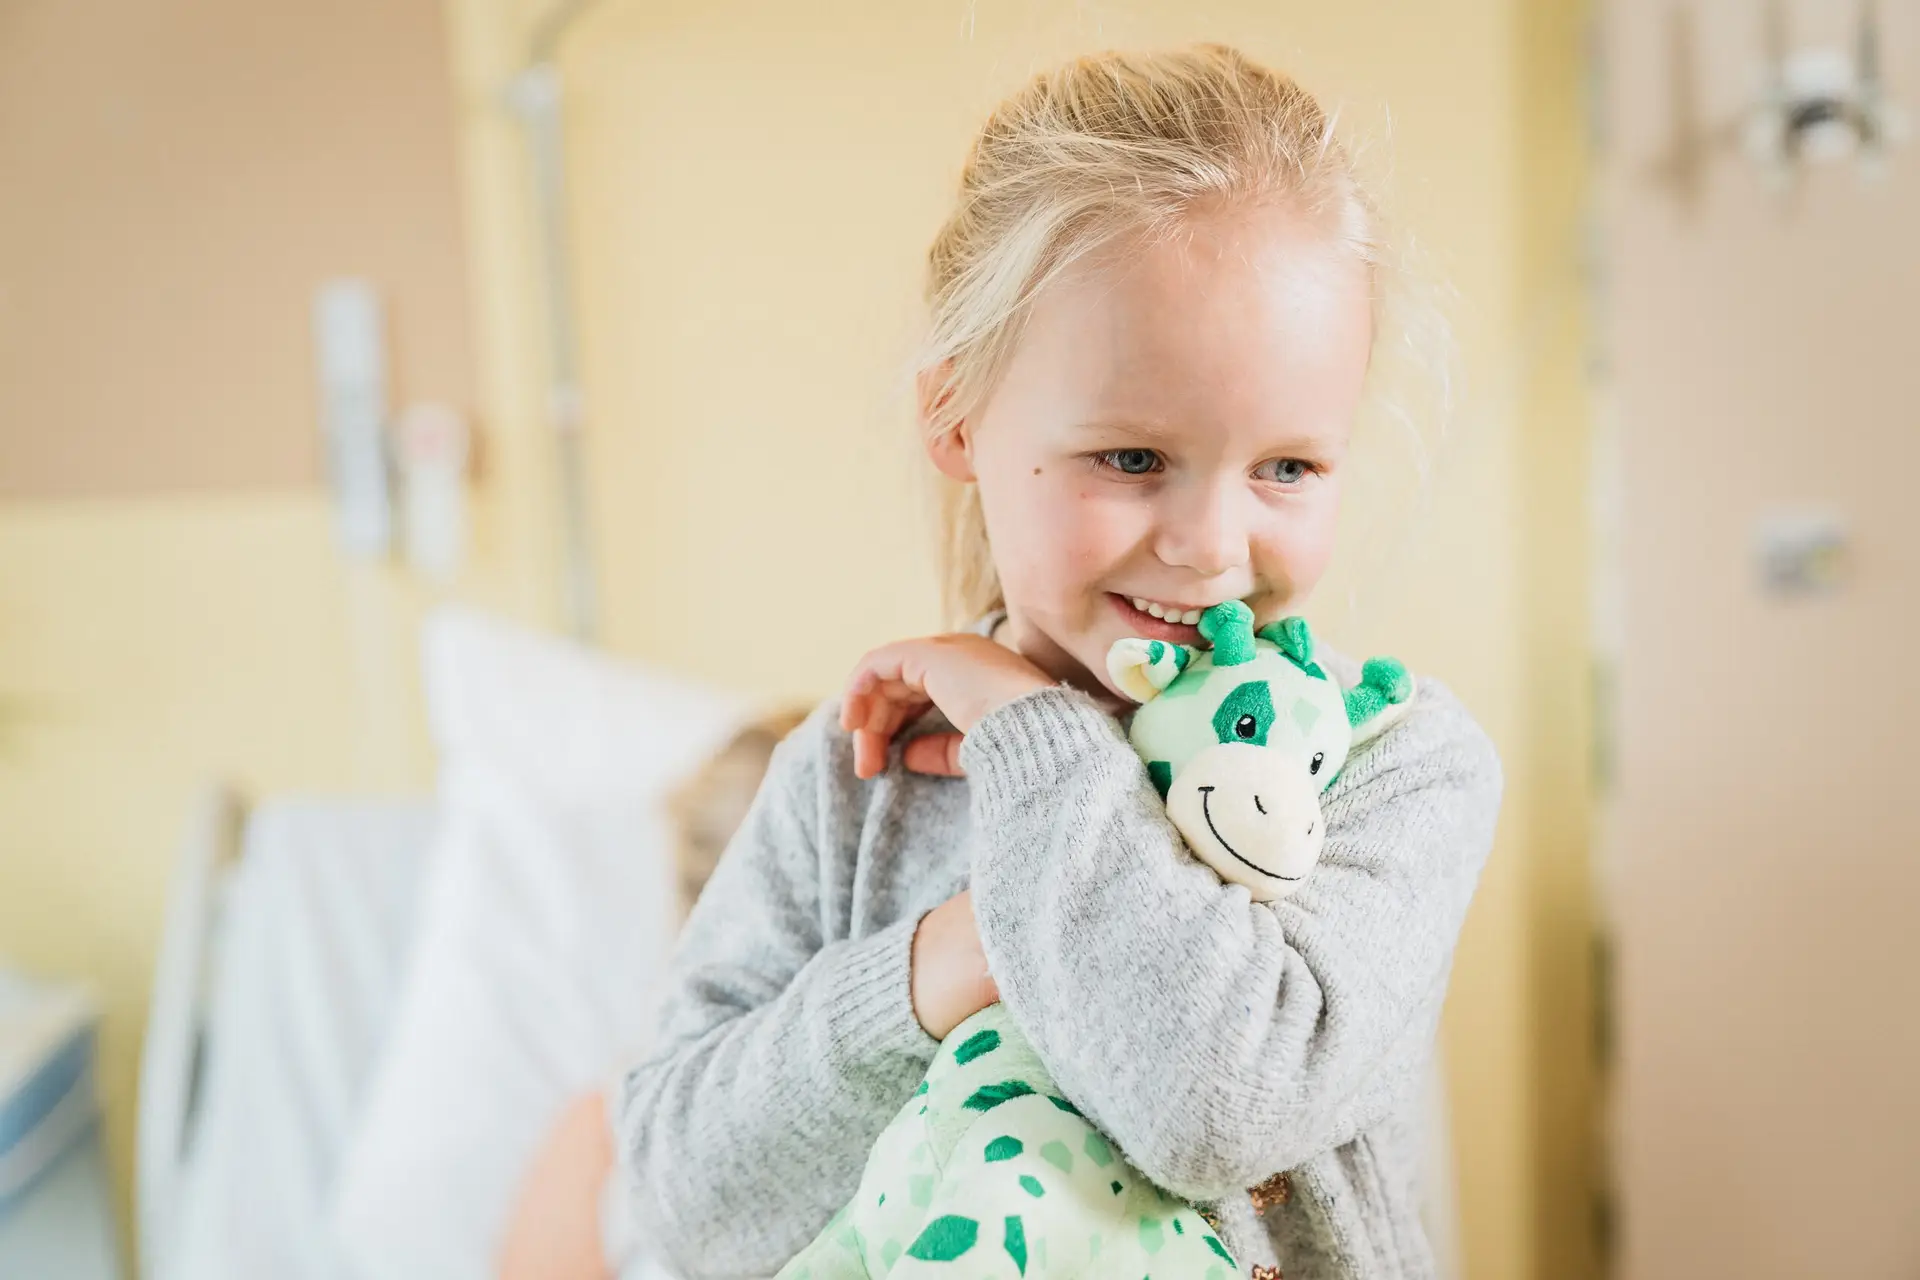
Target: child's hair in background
{"x": 1127, "y": 148}
{"x": 708, "y": 807}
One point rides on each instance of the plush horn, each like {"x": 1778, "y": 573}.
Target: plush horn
{"x": 1228, "y": 626}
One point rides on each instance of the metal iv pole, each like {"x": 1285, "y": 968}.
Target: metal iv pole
{"x": 534, "y": 95}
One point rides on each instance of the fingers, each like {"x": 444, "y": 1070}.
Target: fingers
{"x": 874, "y": 718}
{"x": 881, "y": 697}
{"x": 883, "y": 710}
{"x": 936, "y": 753}
{"x": 869, "y": 753}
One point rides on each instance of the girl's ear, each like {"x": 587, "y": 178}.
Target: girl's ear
{"x": 949, "y": 445}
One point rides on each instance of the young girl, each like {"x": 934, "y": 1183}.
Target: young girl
{"x": 1153, "y": 313}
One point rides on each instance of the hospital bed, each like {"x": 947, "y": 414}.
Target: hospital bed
{"x": 286, "y": 935}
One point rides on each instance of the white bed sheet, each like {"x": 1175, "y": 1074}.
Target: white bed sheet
{"x": 314, "y": 937}
{"x": 311, "y": 947}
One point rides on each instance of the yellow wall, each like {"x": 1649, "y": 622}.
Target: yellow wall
{"x": 754, "y": 186}
{"x": 1556, "y": 676}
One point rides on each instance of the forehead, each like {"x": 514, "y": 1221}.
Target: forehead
{"x": 1255, "y": 324}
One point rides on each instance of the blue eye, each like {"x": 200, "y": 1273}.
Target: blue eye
{"x": 1132, "y": 462}
{"x": 1284, "y": 471}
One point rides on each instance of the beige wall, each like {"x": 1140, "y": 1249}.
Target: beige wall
{"x": 178, "y": 177}
{"x": 754, "y": 187}
{"x": 1760, "y": 832}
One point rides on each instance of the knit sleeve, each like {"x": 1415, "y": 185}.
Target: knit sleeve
{"x": 783, "y": 1053}
{"x": 1220, "y": 1040}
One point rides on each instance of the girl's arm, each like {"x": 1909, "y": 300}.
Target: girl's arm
{"x": 782, "y": 1053}
{"x": 1217, "y": 1040}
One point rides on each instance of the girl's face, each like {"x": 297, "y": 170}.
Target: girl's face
{"x": 1169, "y": 434}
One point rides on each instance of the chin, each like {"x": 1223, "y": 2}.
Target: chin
{"x": 1074, "y": 653}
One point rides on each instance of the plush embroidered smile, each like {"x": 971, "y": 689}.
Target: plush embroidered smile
{"x": 1206, "y": 798}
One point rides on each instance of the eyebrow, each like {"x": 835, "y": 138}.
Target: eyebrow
{"x": 1157, "y": 433}
{"x": 1123, "y": 426}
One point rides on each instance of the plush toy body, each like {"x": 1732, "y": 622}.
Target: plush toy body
{"x": 987, "y": 1171}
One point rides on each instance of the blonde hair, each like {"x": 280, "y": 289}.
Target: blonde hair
{"x": 709, "y": 806}
{"x": 1118, "y": 148}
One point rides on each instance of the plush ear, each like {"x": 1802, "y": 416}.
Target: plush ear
{"x": 1228, "y": 627}
{"x": 1381, "y": 699}
{"x": 1142, "y": 668}
{"x": 1295, "y": 641}
{"x": 1292, "y": 636}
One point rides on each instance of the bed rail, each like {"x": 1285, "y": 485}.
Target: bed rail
{"x": 170, "y": 1062}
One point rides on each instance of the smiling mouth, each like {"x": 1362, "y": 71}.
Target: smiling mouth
{"x": 1206, "y": 811}
{"x": 1145, "y": 624}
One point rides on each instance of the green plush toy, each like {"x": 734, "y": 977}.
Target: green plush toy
{"x": 987, "y": 1171}
{"x": 1242, "y": 739}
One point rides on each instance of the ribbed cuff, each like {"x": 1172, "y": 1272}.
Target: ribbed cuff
{"x": 871, "y": 1014}
{"x": 1035, "y": 739}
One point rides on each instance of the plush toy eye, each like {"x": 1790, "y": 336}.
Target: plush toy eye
{"x": 1319, "y": 757}
{"x": 1247, "y": 726}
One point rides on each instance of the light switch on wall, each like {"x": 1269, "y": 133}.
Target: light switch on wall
{"x": 1801, "y": 552}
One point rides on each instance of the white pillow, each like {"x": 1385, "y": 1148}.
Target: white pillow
{"x": 544, "y": 926}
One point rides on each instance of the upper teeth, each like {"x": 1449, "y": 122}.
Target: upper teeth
{"x": 1167, "y": 612}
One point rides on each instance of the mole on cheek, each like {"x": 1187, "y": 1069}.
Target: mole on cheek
{"x": 1036, "y": 471}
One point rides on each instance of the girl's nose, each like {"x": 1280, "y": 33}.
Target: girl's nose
{"x": 1203, "y": 530}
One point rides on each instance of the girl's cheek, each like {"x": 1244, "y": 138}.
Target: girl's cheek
{"x": 1299, "y": 551}
{"x": 1108, "y": 531}
{"x": 1066, "y": 532}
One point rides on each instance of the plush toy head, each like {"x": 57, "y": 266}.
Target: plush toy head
{"x": 1241, "y": 739}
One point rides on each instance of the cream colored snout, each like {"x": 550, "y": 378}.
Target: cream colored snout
{"x": 1252, "y": 814}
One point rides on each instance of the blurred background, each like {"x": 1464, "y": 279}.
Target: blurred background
{"x": 593, "y": 321}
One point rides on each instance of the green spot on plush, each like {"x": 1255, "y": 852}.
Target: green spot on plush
{"x": 1004, "y": 1147}
{"x": 1016, "y": 1242}
{"x": 1241, "y": 740}
{"x": 976, "y": 1044}
{"x": 946, "y": 1238}
{"x": 990, "y": 1096}
{"x": 1097, "y": 1149}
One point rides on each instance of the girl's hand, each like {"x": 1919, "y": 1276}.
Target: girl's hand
{"x": 950, "y": 980}
{"x": 966, "y": 676}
